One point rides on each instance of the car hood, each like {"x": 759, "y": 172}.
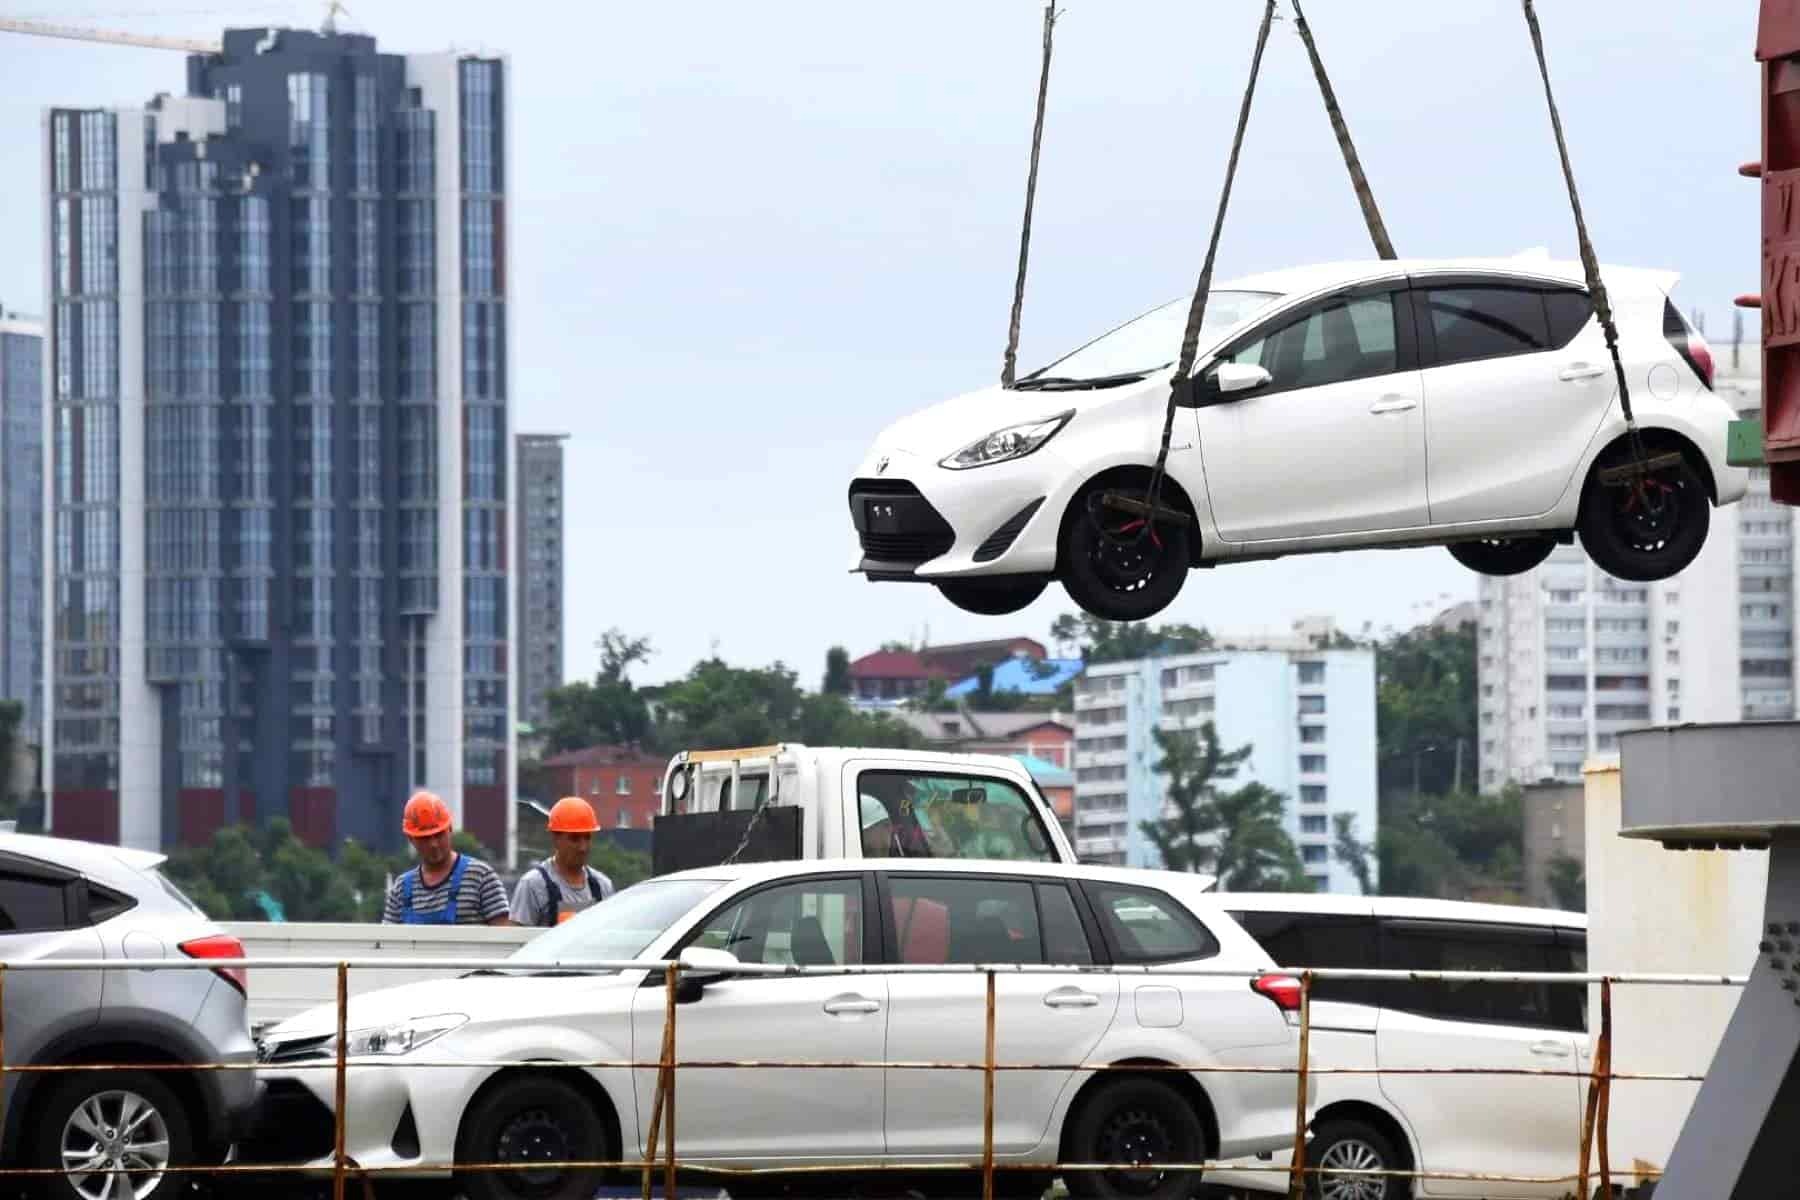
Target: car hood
{"x": 944, "y": 428}
{"x": 478, "y": 997}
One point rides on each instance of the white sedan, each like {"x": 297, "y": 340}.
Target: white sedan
{"x": 824, "y": 913}
{"x": 1465, "y": 403}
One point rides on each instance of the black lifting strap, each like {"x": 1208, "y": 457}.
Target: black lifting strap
{"x": 1009, "y": 362}
{"x": 1151, "y": 506}
{"x": 1359, "y": 182}
{"x": 1591, "y": 266}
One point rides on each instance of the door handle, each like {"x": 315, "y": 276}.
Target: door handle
{"x": 1388, "y": 404}
{"x": 1550, "y": 1049}
{"x": 852, "y": 1004}
{"x": 1071, "y": 998}
{"x": 1575, "y": 372}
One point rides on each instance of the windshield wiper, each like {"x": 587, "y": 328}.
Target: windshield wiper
{"x": 1065, "y": 383}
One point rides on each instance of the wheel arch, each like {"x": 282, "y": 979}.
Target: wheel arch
{"x": 1139, "y": 475}
{"x": 1656, "y": 438}
{"x": 1372, "y": 1114}
{"x": 93, "y": 1047}
{"x": 1158, "y": 1069}
{"x": 582, "y": 1081}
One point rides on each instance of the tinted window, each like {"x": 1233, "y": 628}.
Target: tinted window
{"x": 1446, "y": 946}
{"x": 103, "y": 904}
{"x": 1147, "y": 926}
{"x": 1065, "y": 941}
{"x": 909, "y": 815}
{"x": 1567, "y": 313}
{"x": 1471, "y": 323}
{"x": 1317, "y": 940}
{"x": 813, "y": 923}
{"x": 1346, "y": 339}
{"x": 28, "y": 905}
{"x": 965, "y": 920}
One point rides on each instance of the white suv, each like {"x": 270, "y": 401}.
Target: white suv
{"x": 1464, "y": 403}
{"x": 1522, "y": 1125}
{"x": 830, "y": 913}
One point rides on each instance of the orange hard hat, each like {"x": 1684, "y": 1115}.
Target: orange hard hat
{"x": 572, "y": 814}
{"x": 425, "y": 815}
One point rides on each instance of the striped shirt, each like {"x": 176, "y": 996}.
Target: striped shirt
{"x": 481, "y": 898}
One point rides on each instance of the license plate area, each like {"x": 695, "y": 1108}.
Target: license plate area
{"x": 882, "y": 515}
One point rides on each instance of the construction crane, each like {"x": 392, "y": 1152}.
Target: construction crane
{"x": 109, "y": 36}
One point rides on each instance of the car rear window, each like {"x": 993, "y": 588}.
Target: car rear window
{"x": 1298, "y": 939}
{"x": 1473, "y": 323}
{"x": 1146, "y": 926}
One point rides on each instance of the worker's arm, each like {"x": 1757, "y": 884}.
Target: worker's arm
{"x": 502, "y": 921}
{"x": 391, "y": 913}
{"x": 493, "y": 898}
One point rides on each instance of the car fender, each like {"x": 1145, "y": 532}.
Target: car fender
{"x": 544, "y": 1041}
{"x": 1148, "y": 1045}
{"x": 1709, "y": 440}
{"x": 1128, "y": 434}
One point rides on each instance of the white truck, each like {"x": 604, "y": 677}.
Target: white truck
{"x": 791, "y": 801}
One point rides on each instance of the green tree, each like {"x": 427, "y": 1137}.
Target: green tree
{"x": 1093, "y": 640}
{"x": 1355, "y": 854}
{"x": 609, "y": 711}
{"x": 837, "y": 672}
{"x": 1236, "y": 834}
{"x": 1425, "y": 710}
{"x": 1568, "y": 883}
{"x": 1453, "y": 847}
{"x": 719, "y": 706}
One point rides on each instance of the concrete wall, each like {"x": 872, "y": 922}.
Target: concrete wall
{"x": 1555, "y": 825}
{"x": 1656, "y": 910}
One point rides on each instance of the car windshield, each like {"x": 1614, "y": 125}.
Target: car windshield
{"x": 1153, "y": 341}
{"x": 619, "y": 927}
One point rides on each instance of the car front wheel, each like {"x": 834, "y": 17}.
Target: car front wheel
{"x": 1353, "y": 1146}
{"x": 1503, "y": 556}
{"x": 532, "y": 1119}
{"x": 1117, "y": 566}
{"x": 1138, "y": 1123}
{"x": 998, "y": 596}
{"x": 1648, "y": 528}
{"x": 114, "y": 1133}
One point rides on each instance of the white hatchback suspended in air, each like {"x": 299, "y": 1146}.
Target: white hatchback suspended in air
{"x": 1466, "y": 403}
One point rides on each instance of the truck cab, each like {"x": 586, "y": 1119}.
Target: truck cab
{"x": 795, "y": 801}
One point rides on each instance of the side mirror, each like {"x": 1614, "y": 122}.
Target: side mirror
{"x": 1240, "y": 377}
{"x": 700, "y": 967}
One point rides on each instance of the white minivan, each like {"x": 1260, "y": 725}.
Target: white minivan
{"x": 1519, "y": 1125}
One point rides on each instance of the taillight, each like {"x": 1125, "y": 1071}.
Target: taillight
{"x": 221, "y": 945}
{"x": 1284, "y": 990}
{"x": 1701, "y": 357}
{"x": 1689, "y": 343}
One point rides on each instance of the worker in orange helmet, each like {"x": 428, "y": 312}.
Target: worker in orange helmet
{"x": 563, "y": 884}
{"x": 448, "y": 887}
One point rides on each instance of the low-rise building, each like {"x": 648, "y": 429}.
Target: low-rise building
{"x": 623, "y": 783}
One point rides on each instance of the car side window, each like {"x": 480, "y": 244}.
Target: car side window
{"x": 1346, "y": 339}
{"x": 811, "y": 923}
{"x": 964, "y": 919}
{"x": 31, "y": 905}
{"x": 1146, "y": 926}
{"x": 1449, "y": 946}
{"x": 1065, "y": 939}
{"x": 1567, "y": 311}
{"x": 1471, "y": 323}
{"x": 1297, "y": 939}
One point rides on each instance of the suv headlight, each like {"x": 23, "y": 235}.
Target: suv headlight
{"x": 402, "y": 1037}
{"x": 1003, "y": 445}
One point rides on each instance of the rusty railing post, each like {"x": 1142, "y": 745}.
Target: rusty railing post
{"x": 1589, "y": 1116}
{"x": 662, "y": 1080}
{"x": 1297, "y": 1171}
{"x": 987, "y": 1101}
{"x": 1603, "y": 1072}
{"x": 669, "y": 1090}
{"x": 343, "y": 1038}
{"x": 2, "y": 1045}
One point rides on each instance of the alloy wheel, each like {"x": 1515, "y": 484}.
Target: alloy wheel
{"x": 1351, "y": 1154}
{"x": 115, "y": 1146}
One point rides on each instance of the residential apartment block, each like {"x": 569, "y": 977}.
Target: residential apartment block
{"x": 278, "y": 447}
{"x": 22, "y": 518}
{"x": 539, "y": 574}
{"x": 1308, "y": 713}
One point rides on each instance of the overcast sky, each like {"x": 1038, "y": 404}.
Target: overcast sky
{"x": 746, "y": 237}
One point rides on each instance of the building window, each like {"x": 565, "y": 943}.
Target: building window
{"x": 1312, "y": 672}
{"x": 624, "y": 821}
{"x": 1312, "y": 734}
{"x": 1313, "y": 854}
{"x": 1312, "y": 705}
{"x": 624, "y": 785}
{"x": 1313, "y": 823}
{"x": 1312, "y": 764}
{"x": 1312, "y": 793}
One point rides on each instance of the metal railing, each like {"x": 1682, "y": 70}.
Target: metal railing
{"x": 659, "y": 1143}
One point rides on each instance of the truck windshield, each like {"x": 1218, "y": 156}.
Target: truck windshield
{"x": 908, "y": 814}
{"x": 619, "y": 927}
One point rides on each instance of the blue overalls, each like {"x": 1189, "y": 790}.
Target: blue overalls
{"x": 408, "y": 916}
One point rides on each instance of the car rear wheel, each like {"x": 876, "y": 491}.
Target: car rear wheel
{"x": 997, "y": 596}
{"x": 1115, "y": 565}
{"x": 532, "y": 1119}
{"x": 1503, "y": 556}
{"x": 1649, "y": 528}
{"x": 1139, "y": 1122}
{"x": 113, "y": 1128}
{"x": 1348, "y": 1145}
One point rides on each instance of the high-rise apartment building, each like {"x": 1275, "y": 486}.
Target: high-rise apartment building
{"x": 540, "y": 575}
{"x": 1569, "y": 656}
{"x": 1307, "y": 713}
{"x": 22, "y": 516}
{"x": 278, "y": 447}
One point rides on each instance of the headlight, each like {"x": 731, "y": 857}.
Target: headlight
{"x": 402, "y": 1037}
{"x": 1002, "y": 445}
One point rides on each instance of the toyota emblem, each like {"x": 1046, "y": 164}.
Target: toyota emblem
{"x": 881, "y": 465}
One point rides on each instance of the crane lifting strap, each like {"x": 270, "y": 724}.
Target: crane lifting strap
{"x": 1011, "y": 360}
{"x": 1365, "y": 196}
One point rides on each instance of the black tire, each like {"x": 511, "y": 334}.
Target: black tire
{"x": 1115, "y": 567}
{"x": 534, "y": 1117}
{"x": 1135, "y": 1120}
{"x": 1646, "y": 531}
{"x": 998, "y": 596}
{"x": 135, "y": 1104}
{"x": 1503, "y": 556}
{"x": 1354, "y": 1145}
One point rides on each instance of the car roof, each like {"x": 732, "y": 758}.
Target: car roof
{"x": 757, "y": 872}
{"x": 1416, "y": 908}
{"x": 86, "y": 857}
{"x": 1303, "y": 280}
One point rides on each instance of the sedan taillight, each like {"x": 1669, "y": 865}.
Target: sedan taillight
{"x": 221, "y": 945}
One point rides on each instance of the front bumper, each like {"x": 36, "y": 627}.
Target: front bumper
{"x": 915, "y": 520}
{"x": 395, "y": 1115}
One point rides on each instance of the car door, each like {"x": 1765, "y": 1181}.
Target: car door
{"x": 1527, "y": 1125}
{"x": 1334, "y": 443}
{"x": 776, "y": 1113}
{"x": 1050, "y": 1019}
{"x": 42, "y": 919}
{"x": 1516, "y": 380}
